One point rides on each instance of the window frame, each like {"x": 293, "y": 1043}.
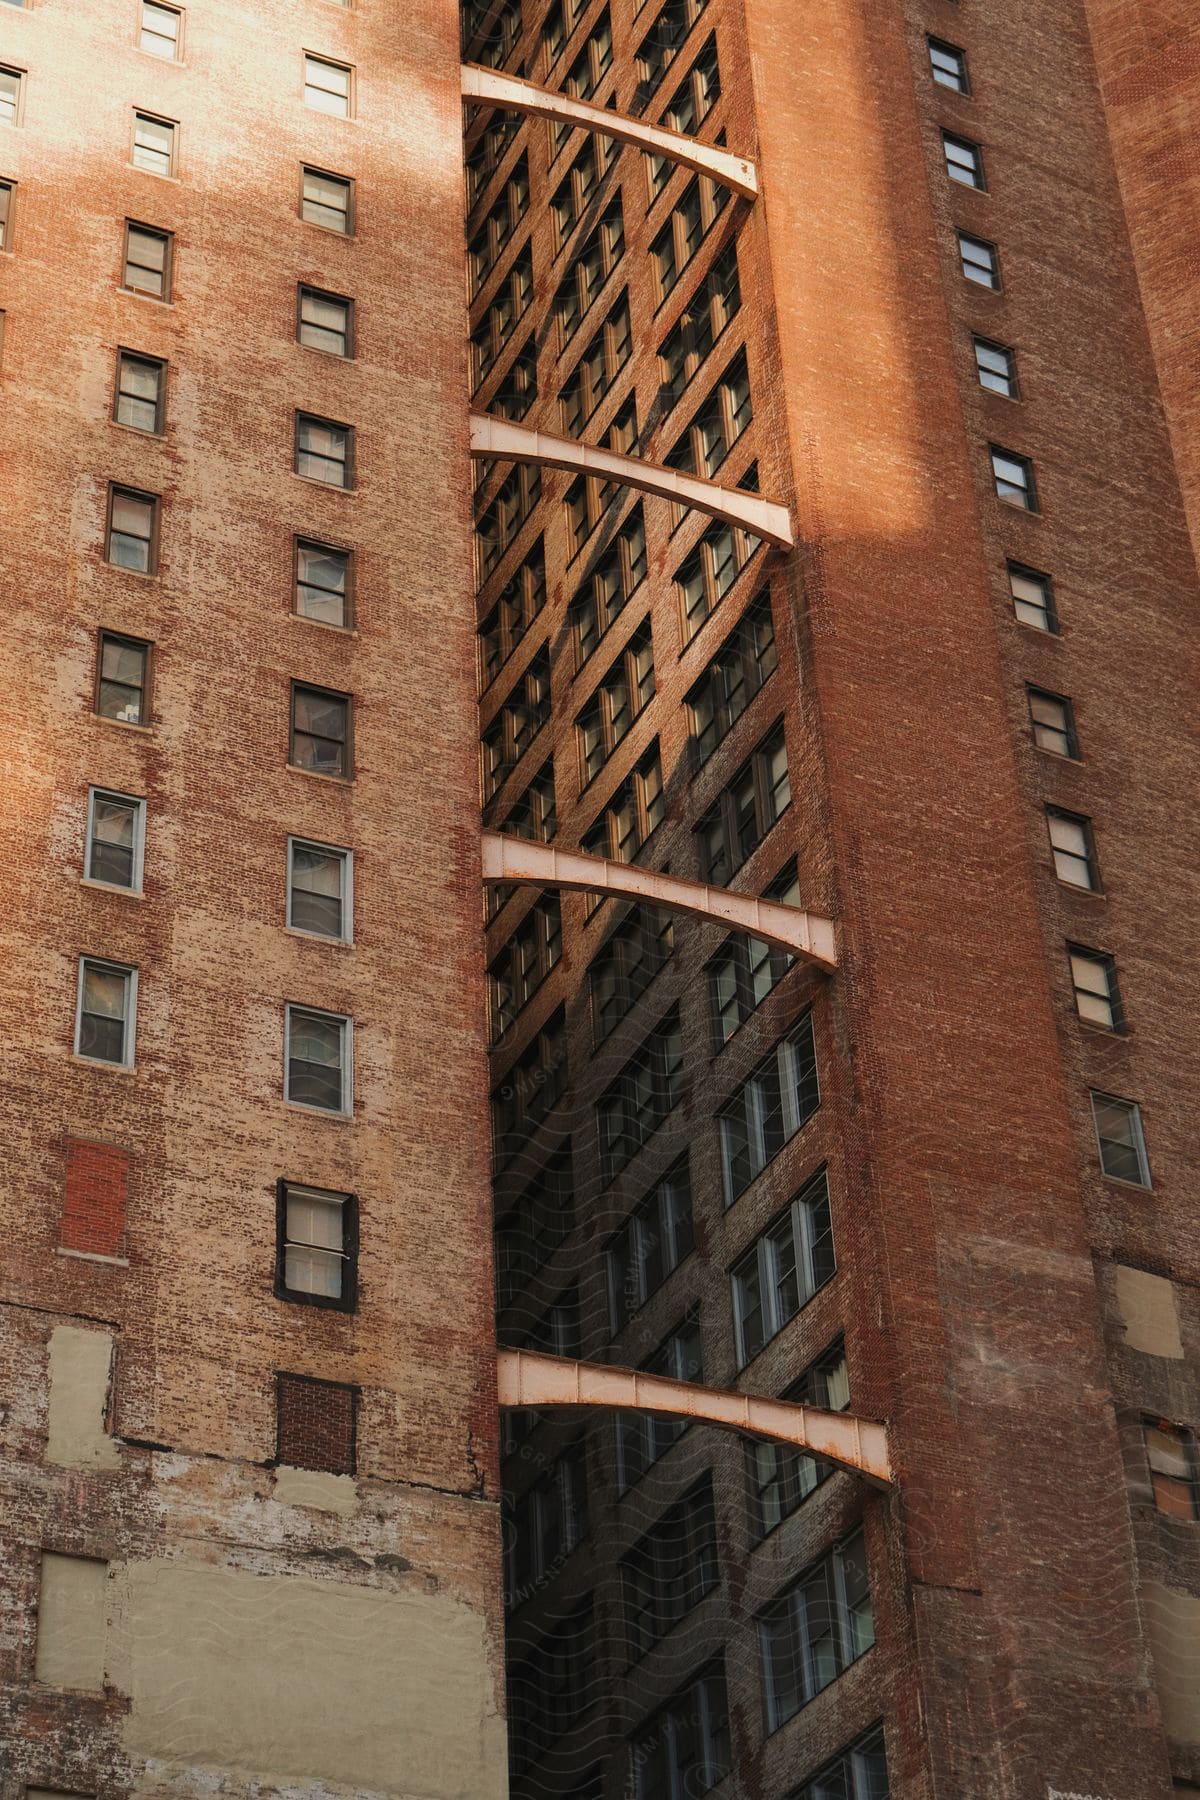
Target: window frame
{"x": 22, "y": 79}
{"x": 1031, "y": 503}
{"x": 168, "y": 268}
{"x": 349, "y": 486}
{"x": 327, "y": 62}
{"x": 955, "y": 140}
{"x": 1111, "y": 995}
{"x": 1137, "y": 1133}
{"x": 788, "y": 1607}
{"x": 347, "y": 1300}
{"x": 953, "y": 53}
{"x": 129, "y": 1018}
{"x": 1186, "y": 1442}
{"x": 346, "y": 1108}
{"x": 1068, "y": 731}
{"x": 104, "y": 636}
{"x": 171, "y": 172}
{"x": 1095, "y": 885}
{"x": 160, "y": 406}
{"x": 346, "y": 897}
{"x": 964, "y": 238}
{"x": 310, "y": 687}
{"x": 302, "y": 541}
{"x": 759, "y": 1254}
{"x": 118, "y": 489}
{"x": 1049, "y": 599}
{"x": 139, "y": 841}
{"x": 179, "y": 13}
{"x": 306, "y": 289}
{"x": 792, "y": 1065}
{"x": 1013, "y": 389}
{"x": 8, "y": 214}
{"x": 347, "y": 181}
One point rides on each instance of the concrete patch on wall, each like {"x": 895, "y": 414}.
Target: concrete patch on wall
{"x": 1173, "y": 1627}
{"x": 80, "y": 1371}
{"x": 71, "y": 1628}
{"x": 312, "y": 1487}
{"x": 1149, "y": 1313}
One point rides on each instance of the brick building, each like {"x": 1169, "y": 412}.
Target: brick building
{"x": 879, "y": 602}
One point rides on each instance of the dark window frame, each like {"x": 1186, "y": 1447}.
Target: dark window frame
{"x": 347, "y": 1300}
{"x": 1024, "y": 572}
{"x": 310, "y": 687}
{"x": 350, "y": 185}
{"x": 302, "y": 541}
{"x": 956, "y": 139}
{"x": 168, "y": 268}
{"x": 160, "y": 407}
{"x": 146, "y": 645}
{"x": 307, "y": 288}
{"x": 964, "y": 238}
{"x": 954, "y": 53}
{"x": 1112, "y": 993}
{"x": 118, "y": 489}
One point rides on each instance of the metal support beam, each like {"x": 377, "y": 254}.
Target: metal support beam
{"x": 490, "y": 88}
{"x": 527, "y": 1378}
{"x": 513, "y": 861}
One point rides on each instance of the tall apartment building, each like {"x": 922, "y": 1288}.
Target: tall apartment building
{"x": 826, "y": 376}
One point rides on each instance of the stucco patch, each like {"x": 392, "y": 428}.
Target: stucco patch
{"x": 1148, "y": 1311}
{"x": 71, "y": 1622}
{"x": 80, "y": 1369}
{"x": 312, "y": 1487}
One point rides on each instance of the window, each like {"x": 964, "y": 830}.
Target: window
{"x": 502, "y": 32}
{"x": 964, "y": 160}
{"x": 316, "y": 1240}
{"x": 324, "y": 451}
{"x": 1053, "y": 720}
{"x": 623, "y": 969}
{"x": 544, "y": 1524}
{"x": 499, "y": 524}
{"x": 316, "y": 1424}
{"x": 643, "y": 1437}
{"x": 147, "y": 261}
{"x": 325, "y": 321}
{"x": 1119, "y": 1133}
{"x": 580, "y": 183}
{"x": 327, "y": 200}
{"x": 533, "y": 814}
{"x": 323, "y": 583}
{"x": 515, "y": 976}
{"x": 769, "y": 1109}
{"x": 782, "y": 1479}
{"x": 1094, "y": 984}
{"x": 319, "y": 890}
{"x": 697, "y": 211}
{"x": 602, "y": 596}
{"x": 659, "y": 47}
{"x": 11, "y": 84}
{"x": 530, "y": 1090}
{"x": 685, "y": 1749}
{"x": 327, "y": 86}
{"x": 751, "y": 804}
{"x": 588, "y": 499}
{"x": 996, "y": 367}
{"x": 525, "y": 710}
{"x": 588, "y": 272}
{"x": 708, "y": 572}
{"x": 502, "y": 317}
{"x": 551, "y": 1685}
{"x": 105, "y": 1012}
{"x": 123, "y": 679}
{"x": 320, "y": 736}
{"x": 140, "y": 391}
{"x": 696, "y": 94}
{"x": 529, "y": 1234}
{"x": 1073, "y": 848}
{"x": 859, "y": 1773}
{"x": 783, "y": 1269}
{"x": 606, "y": 355}
{"x": 650, "y": 1085}
{"x": 745, "y": 969}
{"x": 623, "y": 694}
{"x": 717, "y": 425}
{"x": 701, "y": 323}
{"x": 153, "y": 144}
{"x": 521, "y": 600}
{"x": 1171, "y": 1457}
{"x": 650, "y": 1245}
{"x": 116, "y": 830}
{"x": 1014, "y": 478}
{"x": 979, "y": 261}
{"x": 948, "y": 66}
{"x": 1032, "y": 598}
{"x": 161, "y": 31}
{"x": 489, "y": 242}
{"x": 517, "y": 389}
{"x": 132, "y": 530}
{"x": 318, "y": 1061}
{"x": 670, "y": 1569}
{"x": 585, "y": 74}
{"x": 732, "y": 679}
{"x": 636, "y": 809}
{"x": 815, "y": 1630}
{"x": 7, "y": 191}
{"x": 487, "y": 153}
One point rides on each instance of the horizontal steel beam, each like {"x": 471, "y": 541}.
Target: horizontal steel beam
{"x": 514, "y": 860}
{"x": 527, "y": 1378}
{"x": 490, "y": 88}
{"x": 498, "y": 438}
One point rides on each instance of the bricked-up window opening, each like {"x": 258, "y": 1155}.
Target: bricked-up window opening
{"x": 525, "y": 710}
{"x": 105, "y": 1011}
{"x": 320, "y": 732}
{"x": 606, "y": 355}
{"x": 95, "y": 1191}
{"x": 1073, "y": 849}
{"x": 140, "y": 391}
{"x": 320, "y": 890}
{"x": 670, "y": 1569}
{"x": 551, "y": 1685}
{"x": 859, "y": 1773}
{"x": 318, "y": 1059}
{"x": 623, "y": 694}
{"x": 325, "y": 321}
{"x": 659, "y": 47}
{"x": 529, "y": 1233}
{"x": 588, "y": 272}
{"x": 770, "y": 1107}
{"x": 1171, "y": 1458}
{"x": 327, "y": 200}
{"x": 153, "y": 144}
{"x": 608, "y": 587}
{"x": 12, "y": 82}
{"x": 489, "y": 242}
{"x": 948, "y": 66}
{"x": 686, "y": 1748}
{"x": 1052, "y": 718}
{"x": 161, "y": 31}
{"x": 327, "y": 86}
{"x": 533, "y": 815}
{"x": 737, "y": 672}
{"x": 116, "y": 830}
{"x": 530, "y": 1089}
{"x": 979, "y": 261}
{"x": 696, "y": 94}
{"x": 316, "y": 1424}
{"x": 783, "y": 1269}
{"x": 316, "y": 1236}
{"x": 147, "y": 260}
{"x": 499, "y": 524}
{"x": 651, "y": 1244}
{"x": 746, "y": 969}
{"x": 996, "y": 366}
{"x": 642, "y": 1437}
{"x": 323, "y": 589}
{"x": 1032, "y": 598}
{"x": 132, "y": 536}
{"x": 635, "y": 811}
{"x": 1013, "y": 476}
{"x": 499, "y": 39}
{"x": 324, "y": 450}
{"x": 123, "y": 679}
{"x": 544, "y": 1524}
{"x": 486, "y": 155}
{"x": 1094, "y": 985}
{"x": 517, "y": 389}
{"x": 703, "y": 320}
{"x": 580, "y": 183}
{"x": 503, "y": 316}
{"x": 815, "y": 1630}
{"x": 708, "y": 572}
{"x": 505, "y": 624}
{"x": 624, "y": 967}
{"x": 693, "y": 217}
{"x": 964, "y": 160}
{"x": 642, "y": 1097}
{"x": 755, "y": 799}
{"x": 7, "y": 192}
{"x": 585, "y": 74}
{"x": 515, "y": 976}
{"x": 1119, "y": 1135}
{"x": 781, "y": 1479}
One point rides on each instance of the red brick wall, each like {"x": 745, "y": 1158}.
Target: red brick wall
{"x": 95, "y": 1192}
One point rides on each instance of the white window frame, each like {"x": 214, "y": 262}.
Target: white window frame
{"x": 315, "y": 63}
{"x": 346, "y": 1109}
{"x": 130, "y": 1020}
{"x": 347, "y": 895}
{"x": 1146, "y": 1185}
{"x": 139, "y": 840}
{"x": 177, "y": 55}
